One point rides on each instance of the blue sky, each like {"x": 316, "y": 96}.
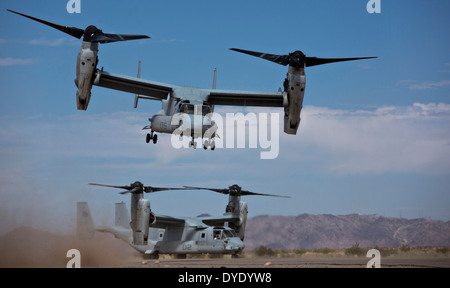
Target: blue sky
{"x": 374, "y": 137}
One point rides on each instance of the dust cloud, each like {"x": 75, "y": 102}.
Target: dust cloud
{"x": 33, "y": 248}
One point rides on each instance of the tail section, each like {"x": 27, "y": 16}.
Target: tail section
{"x": 122, "y": 216}
{"x": 85, "y": 225}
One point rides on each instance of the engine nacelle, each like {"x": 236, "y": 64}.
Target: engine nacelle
{"x": 294, "y": 85}
{"x": 86, "y": 67}
{"x": 238, "y": 227}
{"x": 143, "y": 216}
{"x": 163, "y": 124}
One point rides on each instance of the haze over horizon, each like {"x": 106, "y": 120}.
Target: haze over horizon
{"x": 374, "y": 136}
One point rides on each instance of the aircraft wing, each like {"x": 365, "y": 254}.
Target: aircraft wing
{"x": 159, "y": 91}
{"x": 154, "y": 90}
{"x": 166, "y": 222}
{"x": 163, "y": 221}
{"x": 247, "y": 98}
{"x": 220, "y": 220}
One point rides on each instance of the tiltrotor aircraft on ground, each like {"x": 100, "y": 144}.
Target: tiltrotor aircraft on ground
{"x": 181, "y": 104}
{"x": 153, "y": 234}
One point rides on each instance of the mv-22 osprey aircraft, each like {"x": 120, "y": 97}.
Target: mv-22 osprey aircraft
{"x": 153, "y": 234}
{"x": 181, "y": 104}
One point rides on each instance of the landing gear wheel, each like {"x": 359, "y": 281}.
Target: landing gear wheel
{"x": 210, "y": 144}
{"x": 151, "y": 137}
{"x": 154, "y": 256}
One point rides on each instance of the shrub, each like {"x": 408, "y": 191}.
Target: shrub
{"x": 355, "y": 250}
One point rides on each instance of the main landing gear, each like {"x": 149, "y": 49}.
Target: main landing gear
{"x": 206, "y": 144}
{"x": 151, "y": 136}
{"x": 209, "y": 143}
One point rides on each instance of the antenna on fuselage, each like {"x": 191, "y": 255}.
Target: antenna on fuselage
{"x": 214, "y": 78}
{"x": 136, "y": 96}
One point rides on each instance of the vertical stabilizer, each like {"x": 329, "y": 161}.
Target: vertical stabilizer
{"x": 85, "y": 225}
{"x": 122, "y": 217}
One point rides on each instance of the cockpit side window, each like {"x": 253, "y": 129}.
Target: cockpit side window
{"x": 217, "y": 234}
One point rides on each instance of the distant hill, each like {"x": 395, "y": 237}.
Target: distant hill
{"x": 308, "y": 231}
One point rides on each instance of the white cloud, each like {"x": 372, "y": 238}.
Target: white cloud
{"x": 16, "y": 61}
{"x": 428, "y": 85}
{"x": 391, "y": 139}
{"x": 395, "y": 139}
{"x": 47, "y": 42}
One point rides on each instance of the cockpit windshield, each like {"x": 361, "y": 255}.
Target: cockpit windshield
{"x": 229, "y": 233}
{"x": 195, "y": 109}
{"x": 187, "y": 108}
{"x": 222, "y": 233}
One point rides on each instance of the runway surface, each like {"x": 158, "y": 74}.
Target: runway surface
{"x": 299, "y": 262}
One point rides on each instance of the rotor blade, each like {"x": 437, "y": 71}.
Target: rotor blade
{"x": 150, "y": 189}
{"x": 313, "y": 61}
{"x": 227, "y": 191}
{"x": 279, "y": 59}
{"x": 72, "y": 31}
{"x": 111, "y": 186}
{"x": 245, "y": 193}
{"x": 108, "y": 38}
{"x": 135, "y": 189}
{"x": 223, "y": 191}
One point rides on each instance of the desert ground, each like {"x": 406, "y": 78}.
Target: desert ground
{"x": 297, "y": 262}
{"x": 27, "y": 247}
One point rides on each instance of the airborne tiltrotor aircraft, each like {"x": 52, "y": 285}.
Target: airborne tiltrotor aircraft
{"x": 180, "y": 105}
{"x": 153, "y": 234}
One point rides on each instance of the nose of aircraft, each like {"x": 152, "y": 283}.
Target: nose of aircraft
{"x": 191, "y": 125}
{"x": 197, "y": 124}
{"x": 235, "y": 245}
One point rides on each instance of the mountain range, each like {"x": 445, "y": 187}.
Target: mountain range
{"x": 307, "y": 231}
